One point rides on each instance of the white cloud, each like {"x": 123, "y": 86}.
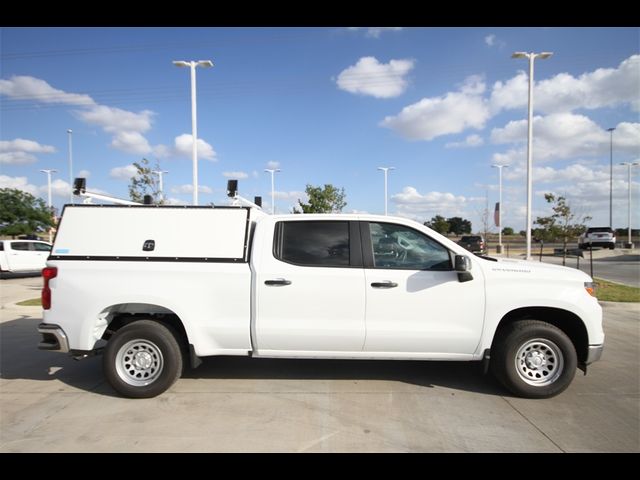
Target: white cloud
{"x": 20, "y": 151}
{"x": 188, "y": 189}
{"x": 175, "y": 201}
{"x": 374, "y": 32}
{"x": 17, "y": 158}
{"x": 451, "y": 113}
{"x": 183, "y": 144}
{"x": 84, "y": 173}
{"x": 471, "y": 141}
{"x": 113, "y": 119}
{"x": 604, "y": 87}
{"x": 131, "y": 142}
{"x": 290, "y": 196}
{"x": 123, "y": 173}
{"x": 23, "y": 145}
{"x": 22, "y": 87}
{"x": 566, "y": 135}
{"x": 493, "y": 41}
{"x": 19, "y": 183}
{"x": 380, "y": 80}
{"x": 59, "y": 188}
{"x": 411, "y": 203}
{"x": 272, "y": 165}
{"x": 255, "y": 174}
{"x": 236, "y": 175}
{"x": 126, "y": 127}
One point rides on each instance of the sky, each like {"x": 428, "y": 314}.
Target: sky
{"x": 329, "y": 105}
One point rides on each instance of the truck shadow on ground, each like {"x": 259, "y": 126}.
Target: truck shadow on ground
{"x": 20, "y": 359}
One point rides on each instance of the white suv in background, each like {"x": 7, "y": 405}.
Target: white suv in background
{"x": 23, "y": 255}
{"x": 598, "y": 237}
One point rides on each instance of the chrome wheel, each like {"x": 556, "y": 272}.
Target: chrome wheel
{"x": 139, "y": 362}
{"x": 539, "y": 362}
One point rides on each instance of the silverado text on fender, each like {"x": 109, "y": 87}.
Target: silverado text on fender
{"x": 155, "y": 288}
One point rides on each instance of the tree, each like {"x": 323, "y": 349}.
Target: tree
{"x": 458, "y": 225}
{"x": 560, "y": 224}
{"x": 507, "y": 231}
{"x": 327, "y": 199}
{"x": 145, "y": 182}
{"x": 439, "y": 224}
{"x": 22, "y": 214}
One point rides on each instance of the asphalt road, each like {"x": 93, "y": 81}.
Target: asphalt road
{"x": 51, "y": 403}
{"x": 623, "y": 269}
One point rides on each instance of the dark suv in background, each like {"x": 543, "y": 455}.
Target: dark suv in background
{"x": 473, "y": 243}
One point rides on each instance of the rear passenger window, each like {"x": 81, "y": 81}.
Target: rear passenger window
{"x": 41, "y": 247}
{"x": 322, "y": 244}
{"x": 20, "y": 246}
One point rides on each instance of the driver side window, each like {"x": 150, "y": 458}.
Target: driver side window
{"x": 400, "y": 247}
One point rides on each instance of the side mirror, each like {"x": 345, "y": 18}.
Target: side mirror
{"x": 463, "y": 263}
{"x": 462, "y": 266}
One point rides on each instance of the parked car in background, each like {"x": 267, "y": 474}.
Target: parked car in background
{"x": 473, "y": 243}
{"x": 23, "y": 255}
{"x": 598, "y": 237}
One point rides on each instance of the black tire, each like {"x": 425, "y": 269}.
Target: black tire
{"x": 155, "y": 349}
{"x": 537, "y": 351}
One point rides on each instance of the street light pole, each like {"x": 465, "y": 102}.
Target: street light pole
{"x": 386, "y": 172}
{"x": 531, "y": 56}
{"x": 499, "y": 167}
{"x": 273, "y": 190}
{"x": 610, "y": 130}
{"x": 49, "y": 203}
{"x": 629, "y": 165}
{"x": 160, "y": 184}
{"x": 194, "y": 123}
{"x": 69, "y": 132}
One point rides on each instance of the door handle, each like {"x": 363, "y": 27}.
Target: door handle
{"x": 385, "y": 284}
{"x": 280, "y": 282}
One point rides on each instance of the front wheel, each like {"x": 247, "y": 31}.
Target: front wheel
{"x": 533, "y": 359}
{"x": 142, "y": 359}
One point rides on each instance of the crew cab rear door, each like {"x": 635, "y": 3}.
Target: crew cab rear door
{"x": 310, "y": 291}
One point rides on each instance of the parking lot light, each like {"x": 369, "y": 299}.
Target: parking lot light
{"x": 629, "y": 244}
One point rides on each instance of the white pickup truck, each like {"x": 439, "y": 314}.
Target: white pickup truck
{"x": 155, "y": 288}
{"x": 21, "y": 256}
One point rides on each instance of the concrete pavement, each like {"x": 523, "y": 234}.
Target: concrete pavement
{"x": 51, "y": 403}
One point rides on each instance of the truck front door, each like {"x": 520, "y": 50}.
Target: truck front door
{"x": 310, "y": 290}
{"x": 415, "y": 302}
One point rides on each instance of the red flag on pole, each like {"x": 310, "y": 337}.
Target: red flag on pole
{"x": 496, "y": 215}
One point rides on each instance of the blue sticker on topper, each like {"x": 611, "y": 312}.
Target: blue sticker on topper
{"x": 62, "y": 250}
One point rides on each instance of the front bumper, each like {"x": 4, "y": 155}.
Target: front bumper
{"x": 594, "y": 354}
{"x": 53, "y": 338}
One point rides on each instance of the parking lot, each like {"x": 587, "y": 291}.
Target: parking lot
{"x": 51, "y": 403}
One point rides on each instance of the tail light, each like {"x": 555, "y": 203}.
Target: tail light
{"x": 47, "y": 273}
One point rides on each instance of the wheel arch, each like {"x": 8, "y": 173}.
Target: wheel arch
{"x": 567, "y": 321}
{"x": 119, "y": 315}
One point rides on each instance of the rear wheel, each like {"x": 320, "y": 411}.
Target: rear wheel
{"x": 533, "y": 359}
{"x": 142, "y": 359}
